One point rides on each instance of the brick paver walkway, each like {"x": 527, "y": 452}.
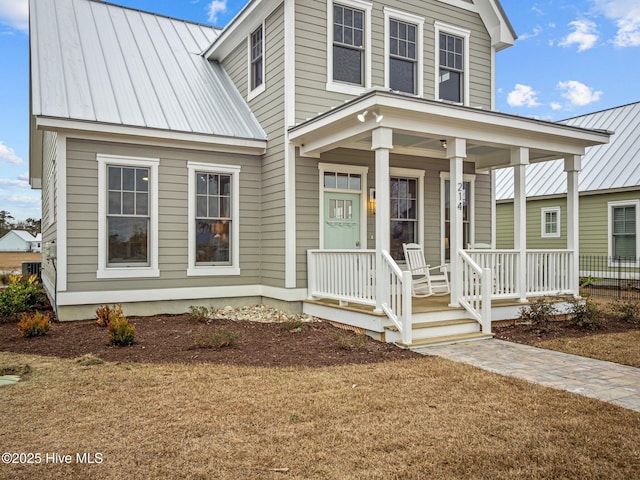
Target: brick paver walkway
{"x": 606, "y": 381}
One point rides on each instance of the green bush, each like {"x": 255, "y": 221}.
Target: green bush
{"x": 540, "y": 312}
{"x": 201, "y": 314}
{"x": 105, "y": 314}
{"x": 626, "y": 311}
{"x": 20, "y": 295}
{"x": 584, "y": 313}
{"x": 34, "y": 324}
{"x": 121, "y": 332}
{"x": 219, "y": 339}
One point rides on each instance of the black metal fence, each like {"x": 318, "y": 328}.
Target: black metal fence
{"x": 610, "y": 277}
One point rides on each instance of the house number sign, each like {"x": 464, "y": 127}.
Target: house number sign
{"x": 461, "y": 195}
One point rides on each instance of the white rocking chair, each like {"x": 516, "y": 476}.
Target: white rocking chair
{"x": 424, "y": 282}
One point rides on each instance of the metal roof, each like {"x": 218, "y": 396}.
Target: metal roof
{"x": 604, "y": 167}
{"x": 98, "y": 62}
{"x": 22, "y": 235}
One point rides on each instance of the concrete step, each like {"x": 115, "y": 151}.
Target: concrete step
{"x": 430, "y": 342}
{"x": 426, "y": 330}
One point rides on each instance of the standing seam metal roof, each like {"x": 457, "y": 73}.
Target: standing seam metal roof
{"x": 604, "y": 167}
{"x": 99, "y": 62}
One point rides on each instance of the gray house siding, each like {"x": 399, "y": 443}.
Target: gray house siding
{"x": 268, "y": 107}
{"x": 308, "y": 197}
{"x": 312, "y": 96}
{"x": 82, "y": 222}
{"x": 49, "y": 198}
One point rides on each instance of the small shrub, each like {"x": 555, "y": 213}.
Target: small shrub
{"x": 290, "y": 325}
{"x": 626, "y": 311}
{"x": 585, "y": 313}
{"x": 347, "y": 341}
{"x": 588, "y": 281}
{"x": 540, "y": 312}
{"x": 121, "y": 332}
{"x": 219, "y": 339}
{"x": 105, "y": 314}
{"x": 201, "y": 314}
{"x": 34, "y": 324}
{"x": 20, "y": 295}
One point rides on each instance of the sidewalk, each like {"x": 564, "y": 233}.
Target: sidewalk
{"x": 606, "y": 381}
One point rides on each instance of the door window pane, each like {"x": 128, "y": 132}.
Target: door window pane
{"x": 404, "y": 214}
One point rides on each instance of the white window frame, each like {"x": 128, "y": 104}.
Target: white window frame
{"x": 610, "y": 207}
{"x": 339, "y": 87}
{"x": 444, "y": 176}
{"x": 131, "y": 271}
{"x": 419, "y": 176}
{"x": 253, "y": 93}
{"x": 355, "y": 169}
{"x": 458, "y": 32}
{"x": 543, "y": 220}
{"x": 393, "y": 14}
{"x": 194, "y": 270}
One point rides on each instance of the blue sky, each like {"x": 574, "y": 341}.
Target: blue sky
{"x": 572, "y": 57}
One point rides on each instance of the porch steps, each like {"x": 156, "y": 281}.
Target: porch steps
{"x": 435, "y": 330}
{"x": 431, "y": 342}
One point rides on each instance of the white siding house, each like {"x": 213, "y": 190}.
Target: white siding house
{"x": 18, "y": 241}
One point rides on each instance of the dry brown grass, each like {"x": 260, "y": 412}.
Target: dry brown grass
{"x": 613, "y": 347}
{"x": 417, "y": 419}
{"x": 10, "y": 261}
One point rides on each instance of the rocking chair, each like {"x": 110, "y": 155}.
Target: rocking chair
{"x": 424, "y": 282}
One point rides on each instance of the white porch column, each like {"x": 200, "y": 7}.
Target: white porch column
{"x": 572, "y": 165}
{"x": 456, "y": 153}
{"x": 382, "y": 142}
{"x": 519, "y": 161}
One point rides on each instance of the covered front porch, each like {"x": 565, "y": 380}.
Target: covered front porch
{"x": 388, "y": 123}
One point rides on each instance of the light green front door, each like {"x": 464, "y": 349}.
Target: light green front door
{"x": 341, "y": 220}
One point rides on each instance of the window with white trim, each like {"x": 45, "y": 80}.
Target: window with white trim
{"x": 213, "y": 219}
{"x": 452, "y": 63}
{"x": 127, "y": 217}
{"x": 349, "y": 52}
{"x": 466, "y": 205}
{"x": 623, "y": 231}
{"x": 256, "y": 62}
{"x": 550, "y": 222}
{"x": 403, "y": 51}
{"x": 403, "y": 214}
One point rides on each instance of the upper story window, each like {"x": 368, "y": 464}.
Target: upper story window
{"x": 349, "y": 39}
{"x": 550, "y": 222}
{"x": 127, "y": 217}
{"x": 452, "y": 69}
{"x": 403, "y": 56}
{"x": 256, "y": 62}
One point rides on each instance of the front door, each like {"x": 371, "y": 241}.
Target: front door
{"x": 341, "y": 220}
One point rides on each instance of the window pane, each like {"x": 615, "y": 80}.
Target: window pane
{"x": 213, "y": 185}
{"x": 393, "y": 28}
{"x": 114, "y": 203}
{"x": 347, "y": 65}
{"x": 201, "y": 209}
{"x": 225, "y": 207}
{"x": 411, "y": 34}
{"x": 128, "y": 179}
{"x": 357, "y": 38}
{"x": 337, "y": 14}
{"x": 343, "y": 181}
{"x": 128, "y": 240}
{"x": 450, "y": 86}
{"x": 214, "y": 210}
{"x": 329, "y": 180}
{"x": 402, "y": 75}
{"x": 142, "y": 204}
{"x": 201, "y": 184}
{"x": 225, "y": 184}
{"x": 142, "y": 180}
{"x": 624, "y": 246}
{"x": 401, "y": 232}
{"x": 337, "y": 34}
{"x": 348, "y": 36}
{"x": 358, "y": 19}
{"x": 348, "y": 17}
{"x": 115, "y": 179}
{"x": 354, "y": 182}
{"x": 128, "y": 199}
{"x": 212, "y": 242}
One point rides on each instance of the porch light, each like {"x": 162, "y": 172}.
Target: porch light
{"x": 372, "y": 201}
{"x": 363, "y": 116}
{"x": 443, "y": 144}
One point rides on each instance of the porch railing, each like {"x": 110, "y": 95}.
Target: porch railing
{"x": 475, "y": 294}
{"x": 343, "y": 275}
{"x": 396, "y": 301}
{"x": 504, "y": 265}
{"x": 549, "y": 272}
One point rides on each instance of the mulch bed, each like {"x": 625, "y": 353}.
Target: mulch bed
{"x": 533, "y": 334}
{"x": 171, "y": 339}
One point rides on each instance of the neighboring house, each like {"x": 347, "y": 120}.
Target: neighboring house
{"x": 182, "y": 164}
{"x": 36, "y": 244}
{"x": 17, "y": 241}
{"x": 609, "y": 184}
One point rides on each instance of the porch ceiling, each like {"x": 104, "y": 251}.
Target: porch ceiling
{"x": 419, "y": 125}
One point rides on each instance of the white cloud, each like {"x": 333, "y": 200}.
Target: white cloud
{"x": 15, "y": 13}
{"x": 537, "y": 30}
{"x": 523, "y": 96}
{"x": 24, "y": 176}
{"x": 578, "y": 93}
{"x": 216, "y": 7}
{"x": 585, "y": 35}
{"x": 8, "y": 154}
{"x": 6, "y": 182}
{"x": 20, "y": 200}
{"x": 556, "y": 106}
{"x": 626, "y": 14}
